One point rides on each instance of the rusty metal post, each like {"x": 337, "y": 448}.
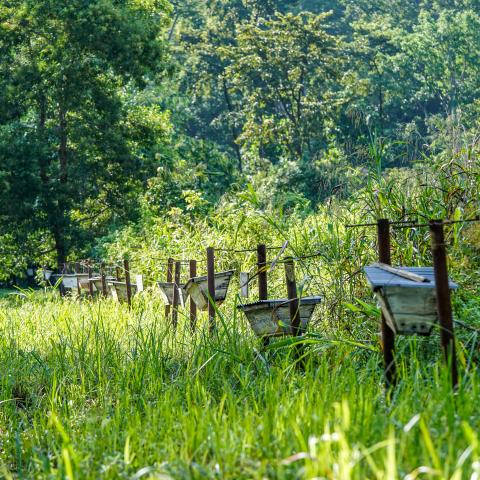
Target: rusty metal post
{"x": 77, "y": 271}
{"x": 193, "y": 305}
{"x": 292, "y": 295}
{"x": 293, "y": 305}
{"x": 90, "y": 284}
{"x": 211, "y": 287}
{"x": 169, "y": 280}
{"x": 262, "y": 273}
{"x": 126, "y": 267}
{"x": 388, "y": 335}
{"x": 103, "y": 279}
{"x": 61, "y": 288}
{"x": 262, "y": 279}
{"x": 176, "y": 295}
{"x": 444, "y": 304}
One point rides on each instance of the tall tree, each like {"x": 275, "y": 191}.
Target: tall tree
{"x": 287, "y": 71}
{"x": 68, "y": 145}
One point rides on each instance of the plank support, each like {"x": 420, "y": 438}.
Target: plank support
{"x": 388, "y": 335}
{"x": 444, "y": 303}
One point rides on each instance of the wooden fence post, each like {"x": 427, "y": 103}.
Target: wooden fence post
{"x": 262, "y": 279}
{"x": 388, "y": 335}
{"x": 292, "y": 295}
{"x": 126, "y": 267}
{"x": 176, "y": 293}
{"x": 444, "y": 303}
{"x": 193, "y": 305}
{"x": 77, "y": 271}
{"x": 262, "y": 273}
{"x": 103, "y": 279}
{"x": 211, "y": 287}
{"x": 169, "y": 280}
{"x": 118, "y": 275}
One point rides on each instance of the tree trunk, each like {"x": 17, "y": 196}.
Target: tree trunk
{"x": 60, "y": 246}
{"x": 59, "y": 217}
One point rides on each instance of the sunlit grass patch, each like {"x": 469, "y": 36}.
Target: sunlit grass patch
{"x": 91, "y": 389}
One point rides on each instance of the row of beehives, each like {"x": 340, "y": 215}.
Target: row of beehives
{"x": 409, "y": 303}
{"x": 196, "y": 287}
{"x": 266, "y": 317}
{"x": 412, "y": 300}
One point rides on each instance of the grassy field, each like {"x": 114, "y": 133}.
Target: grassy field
{"x": 93, "y": 390}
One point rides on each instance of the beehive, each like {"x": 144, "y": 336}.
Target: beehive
{"x": 119, "y": 289}
{"x": 167, "y": 290}
{"x": 269, "y": 318}
{"x": 97, "y": 283}
{"x": 197, "y": 288}
{"x": 409, "y": 307}
{"x": 47, "y": 274}
{"x": 71, "y": 281}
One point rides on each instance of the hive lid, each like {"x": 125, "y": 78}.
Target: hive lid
{"x": 72, "y": 275}
{"x": 377, "y": 277}
{"x": 279, "y": 301}
{"x": 120, "y": 284}
{"x": 228, "y": 274}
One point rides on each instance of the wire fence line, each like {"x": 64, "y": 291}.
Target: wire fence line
{"x": 267, "y": 267}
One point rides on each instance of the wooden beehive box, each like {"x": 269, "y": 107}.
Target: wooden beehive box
{"x": 197, "y": 288}
{"x": 97, "y": 283}
{"x": 167, "y": 290}
{"x": 71, "y": 281}
{"x": 119, "y": 289}
{"x": 47, "y": 274}
{"x": 270, "y": 318}
{"x": 409, "y": 307}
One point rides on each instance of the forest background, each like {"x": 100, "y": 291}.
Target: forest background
{"x": 121, "y": 118}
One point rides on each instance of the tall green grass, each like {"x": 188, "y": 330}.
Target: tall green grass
{"x": 94, "y": 390}
{"x": 91, "y": 389}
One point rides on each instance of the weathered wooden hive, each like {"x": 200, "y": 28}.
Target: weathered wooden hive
{"x": 97, "y": 283}
{"x": 409, "y": 306}
{"x": 71, "y": 281}
{"x": 47, "y": 274}
{"x": 84, "y": 282}
{"x": 167, "y": 290}
{"x": 197, "y": 288}
{"x": 119, "y": 289}
{"x": 269, "y": 318}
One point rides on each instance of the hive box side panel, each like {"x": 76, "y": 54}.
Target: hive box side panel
{"x": 198, "y": 295}
{"x": 276, "y": 321}
{"x": 70, "y": 282}
{"x": 413, "y": 311}
{"x": 421, "y": 301}
{"x": 166, "y": 292}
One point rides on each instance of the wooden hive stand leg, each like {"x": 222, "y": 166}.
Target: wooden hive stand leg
{"x": 262, "y": 279}
{"x": 170, "y": 264}
{"x": 444, "y": 303}
{"x": 293, "y": 303}
{"x": 388, "y": 335}
{"x": 176, "y": 295}
{"x": 211, "y": 288}
{"x": 193, "y": 305}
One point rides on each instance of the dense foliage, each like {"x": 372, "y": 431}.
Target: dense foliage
{"x": 112, "y": 112}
